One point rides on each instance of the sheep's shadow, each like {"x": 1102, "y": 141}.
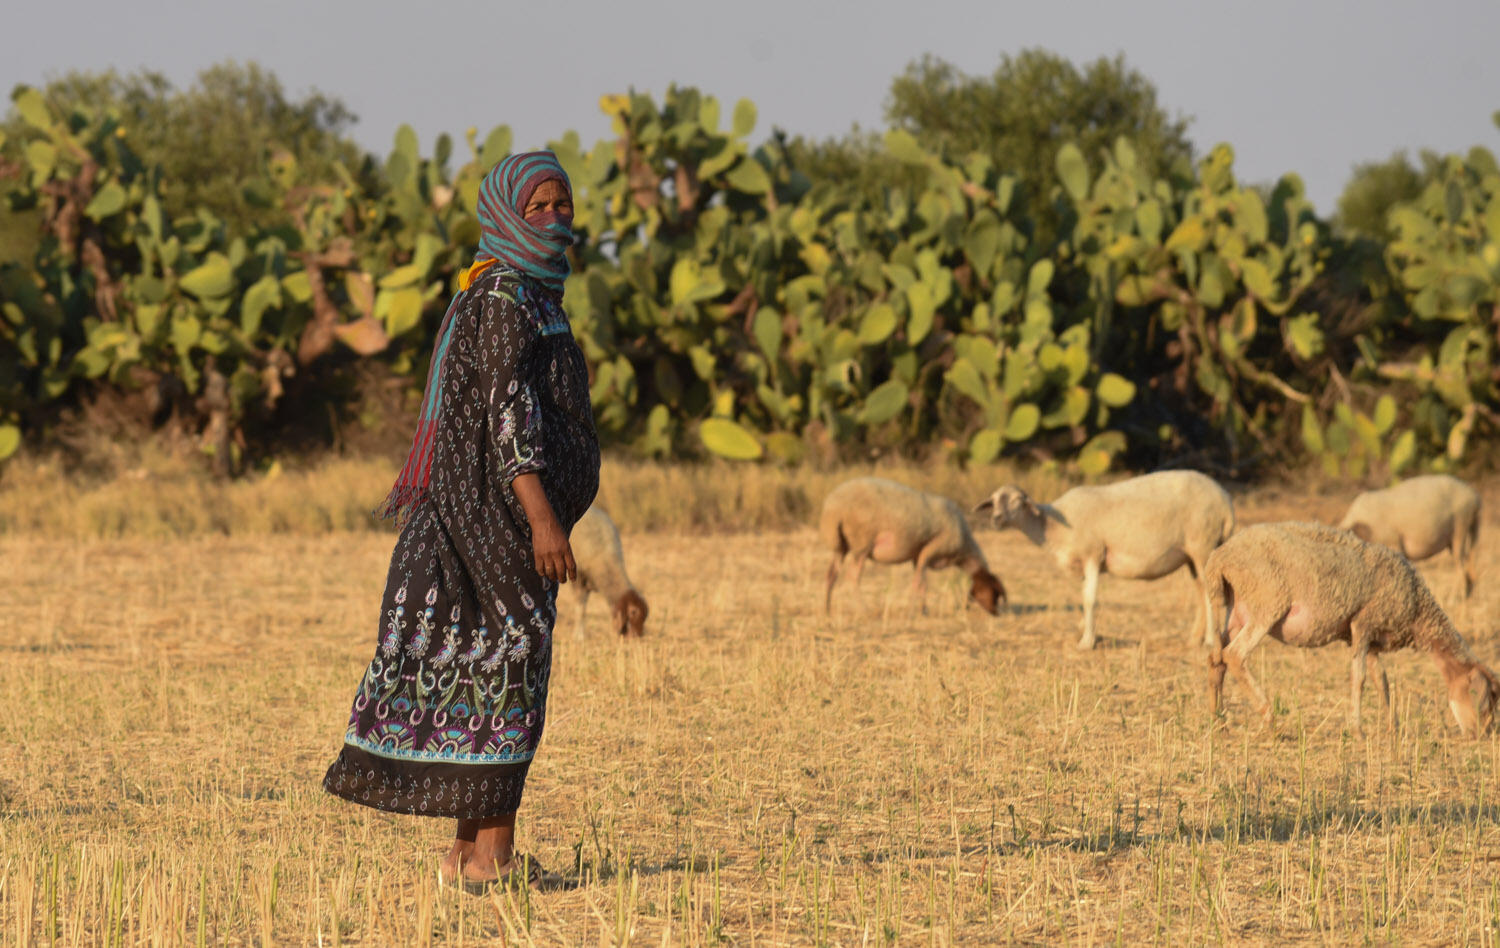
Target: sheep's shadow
{"x": 1033, "y": 608}
{"x": 1275, "y": 826}
{"x": 47, "y": 648}
{"x": 1104, "y": 643}
{"x": 1268, "y": 825}
{"x": 575, "y": 877}
{"x": 1278, "y": 826}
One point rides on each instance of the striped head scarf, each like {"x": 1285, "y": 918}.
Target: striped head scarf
{"x": 535, "y": 249}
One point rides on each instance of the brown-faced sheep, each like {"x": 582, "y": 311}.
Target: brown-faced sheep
{"x": 1141, "y": 528}
{"x": 1421, "y": 517}
{"x": 601, "y": 569}
{"x": 1307, "y": 585}
{"x": 874, "y": 519}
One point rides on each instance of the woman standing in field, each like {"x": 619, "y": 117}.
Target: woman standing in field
{"x": 451, "y": 709}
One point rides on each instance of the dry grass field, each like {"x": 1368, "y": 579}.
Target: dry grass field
{"x": 752, "y": 772}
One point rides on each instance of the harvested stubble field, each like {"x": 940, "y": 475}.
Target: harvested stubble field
{"x": 752, "y": 772}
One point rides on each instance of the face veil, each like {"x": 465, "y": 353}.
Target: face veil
{"x": 538, "y": 247}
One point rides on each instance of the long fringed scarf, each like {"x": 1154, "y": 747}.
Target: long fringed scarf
{"x": 535, "y": 249}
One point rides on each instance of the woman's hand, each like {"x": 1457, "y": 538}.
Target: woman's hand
{"x": 549, "y": 544}
{"x": 554, "y": 557}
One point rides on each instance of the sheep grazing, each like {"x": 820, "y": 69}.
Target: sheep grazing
{"x": 601, "y": 569}
{"x": 1421, "y": 517}
{"x": 871, "y": 518}
{"x": 1141, "y": 528}
{"x": 1308, "y": 585}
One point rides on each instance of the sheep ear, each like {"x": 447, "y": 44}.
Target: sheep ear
{"x": 987, "y": 504}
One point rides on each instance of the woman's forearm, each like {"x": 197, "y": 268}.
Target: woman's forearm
{"x": 549, "y": 544}
{"x": 533, "y": 498}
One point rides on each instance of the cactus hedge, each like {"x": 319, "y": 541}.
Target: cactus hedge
{"x": 728, "y": 304}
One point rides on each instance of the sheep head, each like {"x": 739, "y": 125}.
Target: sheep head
{"x": 630, "y": 614}
{"x": 1483, "y": 680}
{"x": 1008, "y": 506}
{"x": 987, "y": 591}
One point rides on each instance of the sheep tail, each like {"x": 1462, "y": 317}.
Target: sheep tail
{"x": 1473, "y": 542}
{"x": 1220, "y": 603}
{"x": 832, "y": 529}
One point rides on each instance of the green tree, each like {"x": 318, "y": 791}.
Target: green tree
{"x": 1377, "y": 186}
{"x": 1033, "y": 103}
{"x": 212, "y": 138}
{"x": 857, "y": 159}
{"x": 1019, "y": 116}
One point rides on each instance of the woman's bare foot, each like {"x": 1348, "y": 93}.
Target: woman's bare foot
{"x": 483, "y": 864}
{"x": 458, "y": 855}
{"x": 482, "y": 849}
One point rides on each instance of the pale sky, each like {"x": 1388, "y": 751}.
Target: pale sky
{"x": 1312, "y": 87}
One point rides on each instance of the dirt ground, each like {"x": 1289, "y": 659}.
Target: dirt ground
{"x": 751, "y": 772}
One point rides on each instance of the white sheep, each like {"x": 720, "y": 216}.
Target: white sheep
{"x": 871, "y": 518}
{"x": 601, "y": 569}
{"x": 1307, "y": 585}
{"x": 1141, "y": 528}
{"x": 1421, "y": 517}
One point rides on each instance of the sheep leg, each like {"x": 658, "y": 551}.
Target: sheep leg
{"x": 583, "y": 608}
{"x": 1463, "y": 557}
{"x": 1376, "y": 668}
{"x": 1201, "y": 631}
{"x": 1216, "y": 669}
{"x": 1200, "y": 618}
{"x": 919, "y": 581}
{"x": 1216, "y": 665}
{"x": 833, "y": 577}
{"x": 1357, "y": 684}
{"x": 1090, "y": 599}
{"x": 859, "y": 567}
{"x": 1235, "y": 655}
{"x": 1210, "y": 634}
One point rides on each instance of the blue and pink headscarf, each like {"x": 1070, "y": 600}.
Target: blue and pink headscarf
{"x": 535, "y": 249}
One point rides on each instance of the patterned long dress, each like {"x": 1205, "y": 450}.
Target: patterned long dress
{"x": 451, "y": 709}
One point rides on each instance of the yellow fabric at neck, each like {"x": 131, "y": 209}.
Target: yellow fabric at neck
{"x": 478, "y": 267}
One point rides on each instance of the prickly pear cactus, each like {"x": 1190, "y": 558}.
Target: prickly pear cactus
{"x": 729, "y": 305}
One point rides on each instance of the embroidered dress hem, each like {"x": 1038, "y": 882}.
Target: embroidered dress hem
{"x": 427, "y": 788}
